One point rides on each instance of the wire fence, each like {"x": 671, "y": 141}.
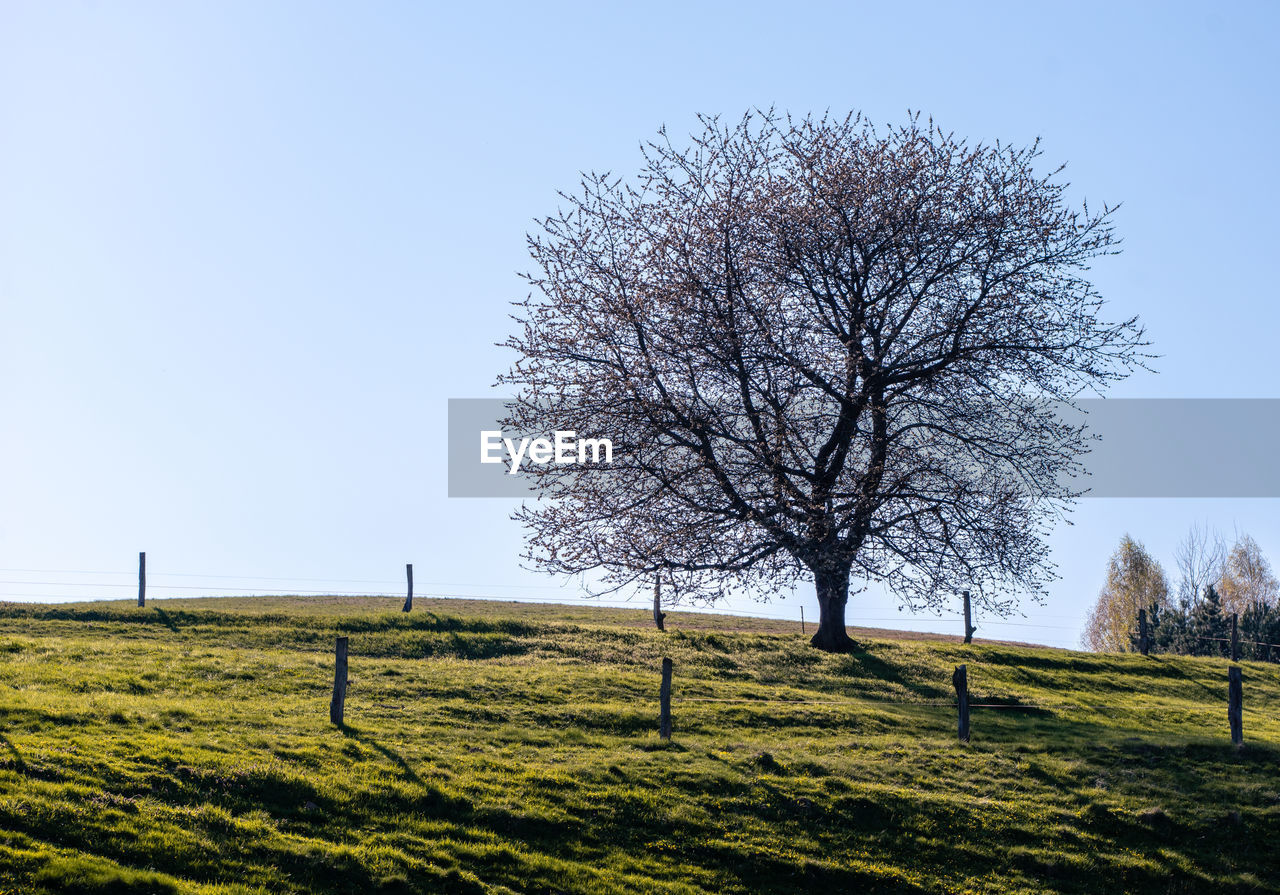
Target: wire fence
{"x": 186, "y": 584}
{"x": 306, "y": 586}
{"x": 1238, "y": 640}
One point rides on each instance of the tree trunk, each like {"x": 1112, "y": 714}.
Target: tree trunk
{"x": 832, "y": 582}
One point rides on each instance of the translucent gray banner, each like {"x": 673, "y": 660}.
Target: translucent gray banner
{"x": 1182, "y": 447}
{"x": 1146, "y": 447}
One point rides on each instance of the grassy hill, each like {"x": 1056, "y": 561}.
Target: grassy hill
{"x": 490, "y": 747}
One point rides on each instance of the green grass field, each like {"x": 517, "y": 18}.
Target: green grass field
{"x": 497, "y": 747}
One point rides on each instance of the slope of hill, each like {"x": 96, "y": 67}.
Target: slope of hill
{"x": 186, "y": 747}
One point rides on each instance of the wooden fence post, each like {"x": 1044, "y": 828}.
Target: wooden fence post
{"x": 339, "y": 682}
{"x": 664, "y": 696}
{"x": 1142, "y": 631}
{"x": 1234, "y": 707}
{"x": 658, "y": 614}
{"x": 968, "y": 622}
{"x": 142, "y": 579}
{"x": 1235, "y": 637}
{"x": 408, "y": 601}
{"x": 802, "y": 632}
{"x": 960, "y": 680}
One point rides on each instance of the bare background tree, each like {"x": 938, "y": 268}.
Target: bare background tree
{"x": 1199, "y": 559}
{"x": 1135, "y": 581}
{"x": 822, "y": 349}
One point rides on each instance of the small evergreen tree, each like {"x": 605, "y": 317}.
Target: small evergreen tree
{"x": 1169, "y": 632}
{"x": 1259, "y": 627}
{"x": 1209, "y": 629}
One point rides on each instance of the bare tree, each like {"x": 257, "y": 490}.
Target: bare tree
{"x": 1199, "y": 559}
{"x": 821, "y": 348}
{"x": 1135, "y": 581}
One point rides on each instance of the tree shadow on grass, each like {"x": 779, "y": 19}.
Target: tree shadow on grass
{"x": 1172, "y": 669}
{"x": 861, "y": 663}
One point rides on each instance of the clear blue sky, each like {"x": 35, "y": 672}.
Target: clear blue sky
{"x": 249, "y": 250}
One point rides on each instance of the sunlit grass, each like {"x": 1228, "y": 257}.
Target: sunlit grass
{"x": 186, "y": 747}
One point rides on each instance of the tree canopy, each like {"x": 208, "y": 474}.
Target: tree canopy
{"x": 1135, "y": 582}
{"x": 1246, "y": 577}
{"x": 822, "y": 349}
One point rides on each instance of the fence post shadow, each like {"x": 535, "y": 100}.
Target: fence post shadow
{"x": 360, "y": 736}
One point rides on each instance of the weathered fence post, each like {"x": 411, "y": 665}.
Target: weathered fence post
{"x": 1235, "y": 637}
{"x": 658, "y": 614}
{"x": 802, "y": 621}
{"x": 960, "y": 680}
{"x": 1234, "y": 707}
{"x": 968, "y": 622}
{"x": 142, "y": 579}
{"x": 339, "y": 682}
{"x": 408, "y": 601}
{"x": 664, "y": 696}
{"x": 1142, "y": 631}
